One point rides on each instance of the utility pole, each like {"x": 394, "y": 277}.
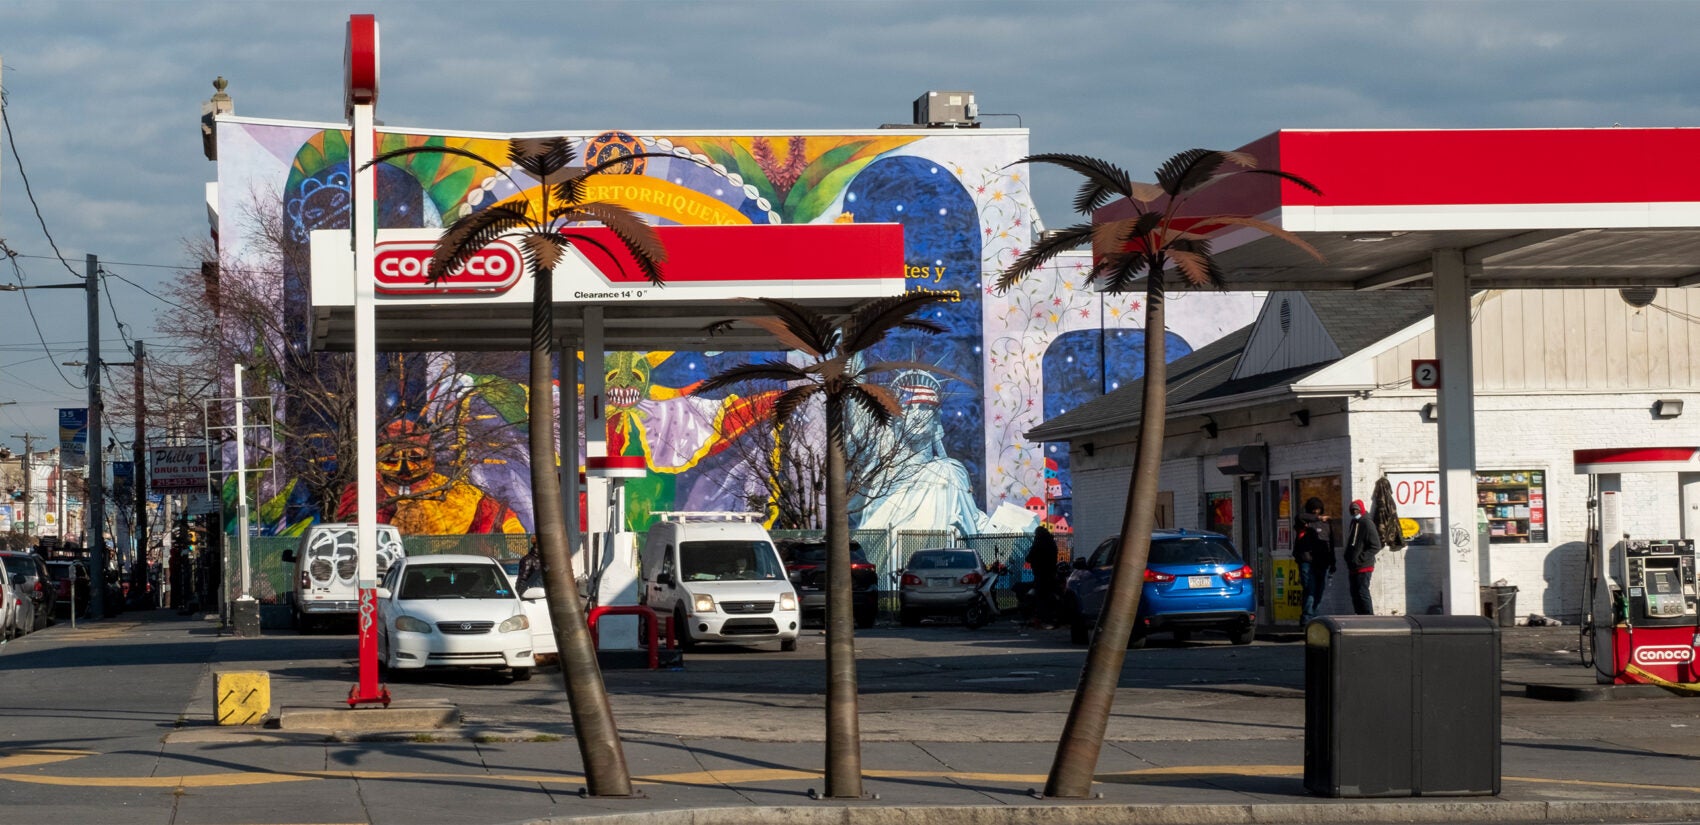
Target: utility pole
{"x": 29, "y": 489}
{"x": 95, "y": 530}
{"x": 139, "y": 476}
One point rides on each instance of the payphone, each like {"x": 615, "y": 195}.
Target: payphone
{"x": 1656, "y": 582}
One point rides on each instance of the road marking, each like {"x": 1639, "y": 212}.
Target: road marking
{"x": 718, "y": 778}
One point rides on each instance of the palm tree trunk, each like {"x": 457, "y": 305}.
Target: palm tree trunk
{"x": 605, "y": 771}
{"x": 1083, "y": 734}
{"x": 843, "y": 732}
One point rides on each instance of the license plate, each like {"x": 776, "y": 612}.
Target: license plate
{"x": 1198, "y": 582}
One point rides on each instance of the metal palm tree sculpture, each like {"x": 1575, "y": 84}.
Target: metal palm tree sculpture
{"x": 535, "y": 223}
{"x": 1159, "y": 241}
{"x": 837, "y": 375}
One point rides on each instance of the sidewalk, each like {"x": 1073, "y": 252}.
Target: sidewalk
{"x": 1631, "y": 759}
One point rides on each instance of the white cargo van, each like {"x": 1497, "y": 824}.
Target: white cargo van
{"x": 324, "y": 561}
{"x": 720, "y": 578}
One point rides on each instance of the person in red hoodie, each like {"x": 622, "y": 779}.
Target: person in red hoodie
{"x": 1362, "y": 543}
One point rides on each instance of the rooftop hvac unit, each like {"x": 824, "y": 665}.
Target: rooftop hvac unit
{"x": 946, "y": 109}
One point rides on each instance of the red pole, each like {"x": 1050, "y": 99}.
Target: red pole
{"x": 367, "y": 690}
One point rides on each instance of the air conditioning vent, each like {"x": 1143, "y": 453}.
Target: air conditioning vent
{"x": 947, "y": 109}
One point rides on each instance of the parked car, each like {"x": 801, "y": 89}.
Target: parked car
{"x": 536, "y": 610}
{"x": 28, "y": 574}
{"x": 453, "y": 611}
{"x": 805, "y": 565}
{"x": 719, "y": 578}
{"x": 14, "y": 610}
{"x": 71, "y": 585}
{"x": 938, "y": 581}
{"x": 1193, "y": 581}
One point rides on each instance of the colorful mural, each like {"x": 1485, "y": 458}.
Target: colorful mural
{"x": 1007, "y": 361}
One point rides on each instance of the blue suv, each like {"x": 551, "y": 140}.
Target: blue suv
{"x": 1193, "y": 581}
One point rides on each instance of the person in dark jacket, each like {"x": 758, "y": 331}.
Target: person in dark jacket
{"x": 1362, "y": 543}
{"x": 1313, "y": 549}
{"x": 1042, "y": 559}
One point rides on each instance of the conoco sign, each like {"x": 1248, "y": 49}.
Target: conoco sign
{"x": 360, "y": 63}
{"x": 402, "y": 267}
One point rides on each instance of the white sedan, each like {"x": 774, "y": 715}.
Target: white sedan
{"x": 453, "y": 611}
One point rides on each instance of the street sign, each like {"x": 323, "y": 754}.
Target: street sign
{"x": 177, "y": 469}
{"x": 1425, "y": 374}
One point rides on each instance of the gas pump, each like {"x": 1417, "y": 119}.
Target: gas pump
{"x": 613, "y": 567}
{"x": 1643, "y": 624}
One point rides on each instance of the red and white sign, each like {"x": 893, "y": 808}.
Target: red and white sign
{"x": 1416, "y": 495}
{"x": 1663, "y": 654}
{"x": 360, "y": 63}
{"x": 402, "y": 267}
{"x": 1425, "y": 374}
{"x": 177, "y": 469}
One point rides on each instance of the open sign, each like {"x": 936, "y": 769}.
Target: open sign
{"x": 402, "y": 267}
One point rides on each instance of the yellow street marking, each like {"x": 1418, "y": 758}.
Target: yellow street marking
{"x": 46, "y": 756}
{"x": 1634, "y": 786}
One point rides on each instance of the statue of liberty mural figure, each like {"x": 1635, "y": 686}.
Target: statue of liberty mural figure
{"x": 934, "y": 491}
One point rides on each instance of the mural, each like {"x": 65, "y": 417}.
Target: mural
{"x": 1007, "y": 362}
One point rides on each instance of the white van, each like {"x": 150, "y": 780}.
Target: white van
{"x": 720, "y": 578}
{"x": 324, "y": 571}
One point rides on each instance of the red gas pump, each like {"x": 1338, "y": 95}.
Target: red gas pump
{"x": 1643, "y": 623}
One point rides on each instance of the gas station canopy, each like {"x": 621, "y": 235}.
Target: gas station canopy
{"x": 1528, "y": 208}
{"x": 710, "y": 273}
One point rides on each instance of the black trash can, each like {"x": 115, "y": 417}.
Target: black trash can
{"x": 1402, "y": 706}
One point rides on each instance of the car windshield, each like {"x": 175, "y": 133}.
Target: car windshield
{"x": 943, "y": 559}
{"x": 19, "y": 566}
{"x": 728, "y": 560}
{"x": 453, "y": 581}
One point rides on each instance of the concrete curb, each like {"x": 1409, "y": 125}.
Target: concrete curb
{"x": 402, "y": 716}
{"x": 1087, "y": 813}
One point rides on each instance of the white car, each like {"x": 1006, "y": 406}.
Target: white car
{"x": 15, "y": 610}
{"x": 537, "y": 610}
{"x": 453, "y": 611}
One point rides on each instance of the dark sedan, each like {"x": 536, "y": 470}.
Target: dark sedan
{"x": 805, "y": 564}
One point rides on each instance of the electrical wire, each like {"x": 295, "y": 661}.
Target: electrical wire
{"x": 17, "y": 270}
{"x": 123, "y": 334}
{"x": 29, "y": 194}
{"x": 144, "y": 289}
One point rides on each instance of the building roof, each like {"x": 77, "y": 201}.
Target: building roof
{"x": 1354, "y": 321}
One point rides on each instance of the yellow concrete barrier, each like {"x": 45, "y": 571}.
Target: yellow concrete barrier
{"x": 244, "y": 696}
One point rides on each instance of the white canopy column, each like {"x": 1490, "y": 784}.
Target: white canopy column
{"x": 1455, "y": 398}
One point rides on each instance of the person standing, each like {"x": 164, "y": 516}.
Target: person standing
{"x": 1042, "y": 560}
{"x": 1363, "y": 540}
{"x": 1313, "y": 549}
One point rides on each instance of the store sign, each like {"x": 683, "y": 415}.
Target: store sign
{"x": 73, "y": 437}
{"x": 403, "y": 266}
{"x": 177, "y": 469}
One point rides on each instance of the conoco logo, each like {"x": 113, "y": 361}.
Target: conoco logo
{"x": 1663, "y": 654}
{"x": 403, "y": 265}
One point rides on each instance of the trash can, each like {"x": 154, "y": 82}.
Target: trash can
{"x": 1402, "y": 706}
{"x": 1499, "y": 603}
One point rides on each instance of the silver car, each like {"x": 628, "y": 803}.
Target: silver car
{"x": 938, "y": 581}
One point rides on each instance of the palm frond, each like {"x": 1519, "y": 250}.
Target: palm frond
{"x": 636, "y": 233}
{"x": 1188, "y": 170}
{"x": 786, "y": 336}
{"x": 793, "y": 399}
{"x": 879, "y": 403}
{"x": 1049, "y": 246}
{"x": 541, "y": 157}
{"x": 871, "y": 320}
{"x": 813, "y": 328}
{"x": 465, "y": 237}
{"x": 1104, "y": 179}
{"x": 384, "y": 157}
{"x": 1270, "y": 229}
{"x": 1119, "y": 272}
{"x": 781, "y": 371}
{"x": 648, "y": 266}
{"x": 881, "y": 367}
{"x": 1196, "y": 269}
{"x": 544, "y": 250}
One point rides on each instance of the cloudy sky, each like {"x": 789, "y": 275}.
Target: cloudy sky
{"x": 103, "y": 99}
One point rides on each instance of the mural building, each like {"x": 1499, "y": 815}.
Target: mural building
{"x": 452, "y": 424}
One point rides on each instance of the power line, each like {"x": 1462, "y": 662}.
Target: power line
{"x": 30, "y": 309}
{"x": 144, "y": 289}
{"x": 12, "y": 141}
{"x": 123, "y": 334}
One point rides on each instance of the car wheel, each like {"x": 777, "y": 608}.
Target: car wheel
{"x": 686, "y": 641}
{"x": 787, "y": 645}
{"x": 976, "y": 616}
{"x": 865, "y": 617}
{"x": 908, "y": 617}
{"x": 1243, "y": 636}
{"x": 1136, "y": 640}
{"x": 521, "y": 674}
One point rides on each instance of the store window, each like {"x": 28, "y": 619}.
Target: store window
{"x": 1515, "y": 503}
{"x": 1328, "y": 489}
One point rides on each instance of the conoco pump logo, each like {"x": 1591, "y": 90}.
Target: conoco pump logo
{"x": 1663, "y": 654}
{"x": 403, "y": 265}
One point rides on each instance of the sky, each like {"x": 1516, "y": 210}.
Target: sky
{"x": 102, "y": 154}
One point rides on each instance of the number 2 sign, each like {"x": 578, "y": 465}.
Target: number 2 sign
{"x": 1425, "y": 374}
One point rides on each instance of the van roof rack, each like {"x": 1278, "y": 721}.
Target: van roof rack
{"x": 706, "y": 515}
